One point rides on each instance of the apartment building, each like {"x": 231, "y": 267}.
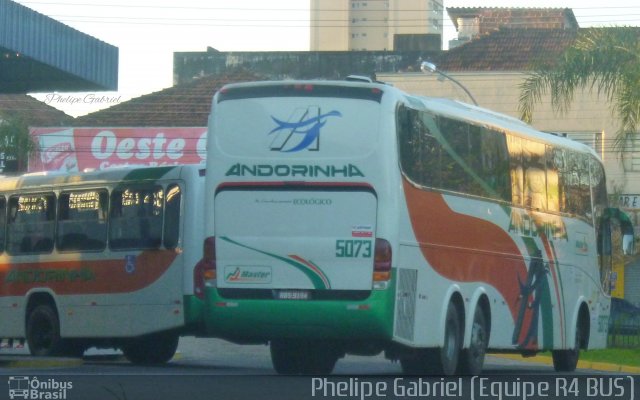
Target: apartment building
{"x": 373, "y": 25}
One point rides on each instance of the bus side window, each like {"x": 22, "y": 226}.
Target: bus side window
{"x": 577, "y": 185}
{"x": 455, "y": 155}
{"x": 535, "y": 180}
{"x": 136, "y": 218}
{"x": 555, "y": 166}
{"x": 3, "y": 222}
{"x": 514, "y": 145}
{"x": 493, "y": 165}
{"x": 32, "y": 224}
{"x": 172, "y": 217}
{"x": 419, "y": 150}
{"x": 80, "y": 227}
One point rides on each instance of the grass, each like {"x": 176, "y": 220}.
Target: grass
{"x": 627, "y": 356}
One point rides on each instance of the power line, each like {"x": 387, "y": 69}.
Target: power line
{"x": 219, "y": 8}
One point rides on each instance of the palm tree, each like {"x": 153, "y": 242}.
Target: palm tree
{"x": 16, "y": 144}
{"x": 604, "y": 60}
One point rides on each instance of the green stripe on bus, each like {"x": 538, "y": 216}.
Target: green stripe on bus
{"x": 318, "y": 279}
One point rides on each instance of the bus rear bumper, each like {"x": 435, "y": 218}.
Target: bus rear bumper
{"x": 247, "y": 320}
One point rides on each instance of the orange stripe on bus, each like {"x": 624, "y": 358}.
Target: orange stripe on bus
{"x": 465, "y": 248}
{"x": 86, "y": 276}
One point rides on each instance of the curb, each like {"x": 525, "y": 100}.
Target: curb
{"x": 26, "y": 361}
{"x": 582, "y": 364}
{"x": 39, "y": 362}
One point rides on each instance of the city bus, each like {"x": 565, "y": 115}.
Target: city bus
{"x": 354, "y": 218}
{"x": 103, "y": 258}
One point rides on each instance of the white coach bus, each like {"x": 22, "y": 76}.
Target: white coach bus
{"x": 352, "y": 217}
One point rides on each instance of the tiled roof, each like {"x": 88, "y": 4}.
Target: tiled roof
{"x": 33, "y": 111}
{"x": 491, "y": 19}
{"x": 182, "y": 105}
{"x": 508, "y": 50}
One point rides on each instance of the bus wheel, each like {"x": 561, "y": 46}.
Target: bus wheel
{"x": 472, "y": 359}
{"x": 156, "y": 348}
{"x": 567, "y": 360}
{"x": 447, "y": 360}
{"x": 438, "y": 361}
{"x": 43, "y": 331}
{"x": 298, "y": 357}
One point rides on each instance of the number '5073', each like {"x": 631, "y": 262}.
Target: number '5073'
{"x": 353, "y": 248}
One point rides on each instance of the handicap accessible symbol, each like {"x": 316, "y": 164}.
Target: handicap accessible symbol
{"x": 130, "y": 264}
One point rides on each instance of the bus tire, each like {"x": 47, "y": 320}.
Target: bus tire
{"x": 156, "y": 348}
{"x": 449, "y": 353}
{"x": 43, "y": 332}
{"x": 442, "y": 360}
{"x": 301, "y": 357}
{"x": 472, "y": 359}
{"x": 567, "y": 360}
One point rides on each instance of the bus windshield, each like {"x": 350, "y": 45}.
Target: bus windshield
{"x": 298, "y": 120}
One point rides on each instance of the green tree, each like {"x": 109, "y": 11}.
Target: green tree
{"x": 601, "y": 60}
{"x": 16, "y": 144}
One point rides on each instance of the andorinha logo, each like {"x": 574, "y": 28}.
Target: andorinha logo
{"x": 300, "y": 171}
{"x": 300, "y": 131}
{"x": 24, "y": 387}
{"x": 248, "y": 275}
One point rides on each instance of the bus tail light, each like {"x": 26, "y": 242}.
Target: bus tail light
{"x": 382, "y": 261}
{"x": 204, "y": 274}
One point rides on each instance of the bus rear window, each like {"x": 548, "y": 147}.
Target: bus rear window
{"x": 301, "y": 90}
{"x": 298, "y": 125}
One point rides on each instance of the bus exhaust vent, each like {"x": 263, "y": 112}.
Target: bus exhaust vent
{"x": 406, "y": 303}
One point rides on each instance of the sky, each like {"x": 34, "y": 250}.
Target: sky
{"x": 147, "y": 32}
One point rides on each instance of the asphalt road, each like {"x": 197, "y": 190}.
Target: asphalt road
{"x": 215, "y": 369}
{"x": 219, "y": 357}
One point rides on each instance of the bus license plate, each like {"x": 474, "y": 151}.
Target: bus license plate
{"x": 293, "y": 295}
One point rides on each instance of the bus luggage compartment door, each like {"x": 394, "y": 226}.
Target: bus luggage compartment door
{"x": 295, "y": 240}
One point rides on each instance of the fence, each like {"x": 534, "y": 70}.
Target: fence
{"x": 624, "y": 331}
